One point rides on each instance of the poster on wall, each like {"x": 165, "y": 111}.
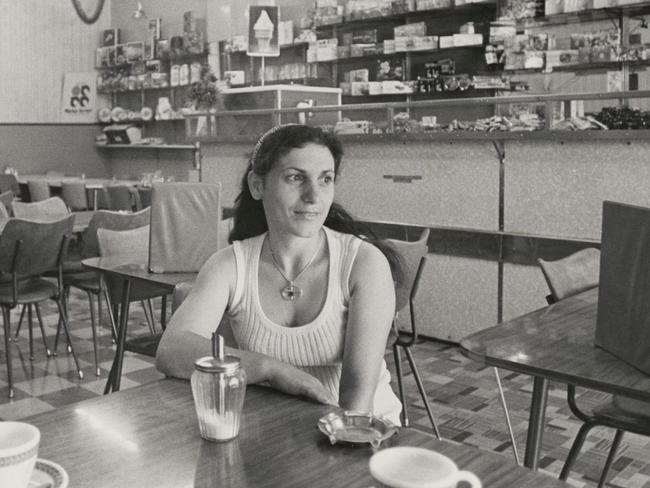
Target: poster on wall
{"x": 79, "y": 97}
{"x": 263, "y": 22}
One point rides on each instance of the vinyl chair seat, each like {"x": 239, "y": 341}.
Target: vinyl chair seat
{"x": 615, "y": 414}
{"x": 29, "y": 291}
{"x": 86, "y": 281}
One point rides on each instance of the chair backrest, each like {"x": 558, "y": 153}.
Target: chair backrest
{"x": 145, "y": 197}
{"x": 38, "y": 190}
{"x": 573, "y": 274}
{"x": 412, "y": 255}
{"x": 74, "y": 195}
{"x": 9, "y": 182}
{"x": 6, "y": 199}
{"x": 184, "y": 226}
{"x": 119, "y": 197}
{"x": 48, "y": 210}
{"x": 133, "y": 243}
{"x": 105, "y": 219}
{"x": 40, "y": 245}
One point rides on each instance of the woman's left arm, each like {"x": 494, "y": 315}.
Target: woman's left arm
{"x": 370, "y": 314}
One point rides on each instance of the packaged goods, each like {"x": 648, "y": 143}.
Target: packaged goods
{"x": 410, "y": 30}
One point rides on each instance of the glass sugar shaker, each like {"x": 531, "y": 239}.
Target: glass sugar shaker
{"x": 218, "y": 387}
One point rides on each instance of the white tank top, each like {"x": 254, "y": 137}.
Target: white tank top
{"x": 316, "y": 347}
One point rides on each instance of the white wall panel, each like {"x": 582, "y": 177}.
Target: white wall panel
{"x": 40, "y": 40}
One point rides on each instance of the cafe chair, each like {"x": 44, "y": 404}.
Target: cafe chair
{"x": 566, "y": 277}
{"x": 6, "y": 199}
{"x": 412, "y": 259}
{"x": 133, "y": 244}
{"x": 9, "y": 182}
{"x": 119, "y": 197}
{"x": 27, "y": 250}
{"x": 89, "y": 281}
{"x": 52, "y": 208}
{"x": 144, "y": 197}
{"x": 75, "y": 195}
{"x": 38, "y": 190}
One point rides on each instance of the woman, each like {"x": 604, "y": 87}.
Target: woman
{"x": 309, "y": 302}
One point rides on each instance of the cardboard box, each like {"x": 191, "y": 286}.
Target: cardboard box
{"x": 468, "y": 39}
{"x": 389, "y": 46}
{"x": 359, "y": 75}
{"x": 410, "y": 30}
{"x": 374, "y": 88}
{"x": 110, "y": 37}
{"x": 432, "y": 4}
{"x": 425, "y": 43}
{"x": 358, "y": 88}
{"x": 395, "y": 87}
{"x": 445, "y": 42}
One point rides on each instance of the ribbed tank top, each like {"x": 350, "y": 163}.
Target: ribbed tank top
{"x": 316, "y": 347}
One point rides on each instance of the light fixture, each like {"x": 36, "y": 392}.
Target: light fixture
{"x": 138, "y": 13}
{"x": 82, "y": 14}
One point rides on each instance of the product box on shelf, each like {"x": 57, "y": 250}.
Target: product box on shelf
{"x": 553, "y": 7}
{"x": 353, "y": 127}
{"x": 134, "y": 51}
{"x": 374, "y": 88}
{"x": 410, "y": 30}
{"x": 561, "y": 57}
{"x": 395, "y": 87}
{"x": 445, "y": 42}
{"x": 357, "y": 50}
{"x": 110, "y": 37}
{"x": 285, "y": 32}
{"x": 432, "y": 4}
{"x": 425, "y": 43}
{"x": 365, "y": 36}
{"x": 366, "y": 9}
{"x": 358, "y": 75}
{"x": 343, "y": 52}
{"x": 389, "y": 46}
{"x": 326, "y": 49}
{"x": 402, "y": 6}
{"x": 577, "y": 5}
{"x": 358, "y": 88}
{"x": 468, "y": 39}
{"x": 189, "y": 21}
{"x": 154, "y": 28}
{"x": 533, "y": 59}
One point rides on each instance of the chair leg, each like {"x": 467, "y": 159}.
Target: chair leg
{"x": 48, "y": 352}
{"x": 147, "y": 316}
{"x": 507, "y": 416}
{"x": 7, "y": 327}
{"x": 20, "y": 320}
{"x": 30, "y": 323}
{"x": 400, "y": 384}
{"x": 111, "y": 312}
{"x": 64, "y": 320}
{"x": 66, "y": 296}
{"x": 163, "y": 312}
{"x": 423, "y": 393}
{"x": 610, "y": 457}
{"x": 93, "y": 327}
{"x": 575, "y": 449}
{"x": 152, "y": 314}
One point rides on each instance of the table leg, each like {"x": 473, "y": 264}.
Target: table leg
{"x": 536, "y": 422}
{"x": 113, "y": 383}
{"x": 95, "y": 190}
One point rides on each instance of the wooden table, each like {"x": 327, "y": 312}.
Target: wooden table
{"x": 555, "y": 343}
{"x": 148, "y": 437}
{"x": 119, "y": 267}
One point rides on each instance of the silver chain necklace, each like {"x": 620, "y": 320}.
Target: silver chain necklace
{"x": 291, "y": 292}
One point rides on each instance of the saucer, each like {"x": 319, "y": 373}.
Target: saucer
{"x": 48, "y": 474}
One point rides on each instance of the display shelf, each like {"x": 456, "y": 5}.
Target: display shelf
{"x": 590, "y": 15}
{"x": 407, "y": 16}
{"x": 189, "y": 147}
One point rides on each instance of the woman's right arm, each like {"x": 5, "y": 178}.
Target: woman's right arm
{"x": 188, "y": 335}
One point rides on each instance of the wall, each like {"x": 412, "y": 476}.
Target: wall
{"x": 40, "y": 40}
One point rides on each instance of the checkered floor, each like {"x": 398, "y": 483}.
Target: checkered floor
{"x": 463, "y": 395}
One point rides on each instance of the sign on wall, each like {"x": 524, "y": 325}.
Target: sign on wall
{"x": 79, "y": 97}
{"x": 263, "y": 22}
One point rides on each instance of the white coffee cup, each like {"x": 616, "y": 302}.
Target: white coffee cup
{"x": 415, "y": 467}
{"x": 18, "y": 449}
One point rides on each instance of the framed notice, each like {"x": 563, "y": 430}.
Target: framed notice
{"x": 79, "y": 97}
{"x": 263, "y": 23}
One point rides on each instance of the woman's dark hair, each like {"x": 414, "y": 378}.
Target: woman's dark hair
{"x": 249, "y": 217}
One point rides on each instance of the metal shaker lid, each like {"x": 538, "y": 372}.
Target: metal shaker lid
{"x": 218, "y": 362}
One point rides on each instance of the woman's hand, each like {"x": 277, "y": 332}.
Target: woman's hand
{"x": 291, "y": 380}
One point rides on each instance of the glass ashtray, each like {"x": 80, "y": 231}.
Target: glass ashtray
{"x": 356, "y": 428}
